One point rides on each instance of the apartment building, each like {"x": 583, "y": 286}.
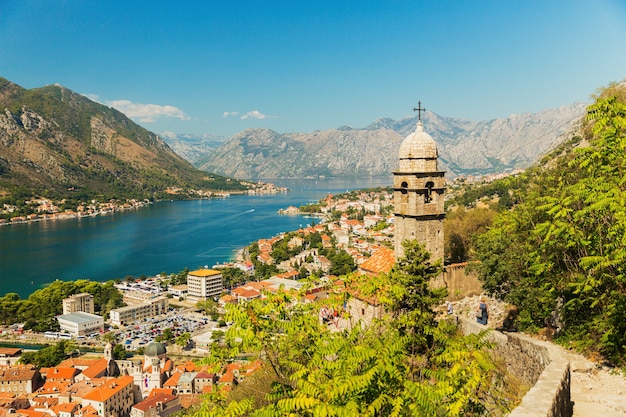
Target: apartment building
{"x": 114, "y": 398}
{"x": 204, "y": 283}
{"x": 132, "y": 313}
{"x": 78, "y": 302}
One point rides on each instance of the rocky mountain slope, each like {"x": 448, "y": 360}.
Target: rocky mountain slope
{"x": 192, "y": 147}
{"x": 53, "y": 140}
{"x": 465, "y": 147}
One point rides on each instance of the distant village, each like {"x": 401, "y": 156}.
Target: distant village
{"x": 47, "y": 209}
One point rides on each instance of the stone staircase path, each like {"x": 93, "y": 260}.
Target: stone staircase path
{"x": 597, "y": 391}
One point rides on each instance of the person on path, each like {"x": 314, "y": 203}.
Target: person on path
{"x": 482, "y": 312}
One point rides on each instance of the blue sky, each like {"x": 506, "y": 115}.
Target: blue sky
{"x": 218, "y": 67}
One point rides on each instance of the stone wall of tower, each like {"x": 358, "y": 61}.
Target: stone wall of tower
{"x": 426, "y": 230}
{"x": 419, "y": 206}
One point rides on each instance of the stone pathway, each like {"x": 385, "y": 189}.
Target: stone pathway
{"x": 597, "y": 391}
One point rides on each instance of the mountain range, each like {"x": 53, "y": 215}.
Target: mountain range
{"x": 55, "y": 142}
{"x": 465, "y": 147}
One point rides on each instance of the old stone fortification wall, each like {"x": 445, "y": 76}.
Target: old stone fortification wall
{"x": 459, "y": 283}
{"x": 536, "y": 363}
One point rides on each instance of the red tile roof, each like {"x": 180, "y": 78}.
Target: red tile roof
{"x": 97, "y": 369}
{"x": 61, "y": 373}
{"x": 151, "y": 401}
{"x": 109, "y": 389}
{"x": 380, "y": 262}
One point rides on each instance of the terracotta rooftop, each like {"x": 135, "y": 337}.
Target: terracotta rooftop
{"x": 81, "y": 388}
{"x": 10, "y": 351}
{"x": 380, "y": 262}
{"x": 96, "y": 369}
{"x": 79, "y": 363}
{"x": 53, "y": 387}
{"x": 157, "y": 391}
{"x": 17, "y": 373}
{"x": 246, "y": 293}
{"x": 153, "y": 400}
{"x": 109, "y": 389}
{"x": 173, "y": 381}
{"x": 30, "y": 412}
{"x": 61, "y": 373}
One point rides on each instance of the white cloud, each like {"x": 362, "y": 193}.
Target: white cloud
{"x": 93, "y": 97}
{"x": 255, "y": 114}
{"x": 147, "y": 113}
{"x": 230, "y": 113}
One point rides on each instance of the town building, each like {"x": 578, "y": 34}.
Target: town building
{"x": 179, "y": 290}
{"x": 80, "y": 323}
{"x": 20, "y": 379}
{"x": 113, "y": 398}
{"x": 78, "y": 302}
{"x": 132, "y": 313}
{"x": 418, "y": 189}
{"x": 156, "y": 405}
{"x": 204, "y": 283}
{"x": 148, "y": 374}
{"x": 10, "y": 356}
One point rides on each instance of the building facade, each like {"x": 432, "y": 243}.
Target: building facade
{"x": 78, "y": 302}
{"x": 204, "y": 283}
{"x": 132, "y": 313}
{"x": 20, "y": 379}
{"x": 113, "y": 399}
{"x": 418, "y": 189}
{"x": 80, "y": 323}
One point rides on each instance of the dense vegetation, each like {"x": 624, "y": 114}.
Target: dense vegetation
{"x": 38, "y": 311}
{"x": 402, "y": 365}
{"x": 559, "y": 254}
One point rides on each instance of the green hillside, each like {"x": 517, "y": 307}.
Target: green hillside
{"x": 58, "y": 143}
{"x": 559, "y": 254}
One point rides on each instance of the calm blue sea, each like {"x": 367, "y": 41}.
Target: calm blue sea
{"x": 165, "y": 237}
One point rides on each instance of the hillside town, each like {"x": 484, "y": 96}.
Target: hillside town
{"x": 151, "y": 382}
{"x": 48, "y": 209}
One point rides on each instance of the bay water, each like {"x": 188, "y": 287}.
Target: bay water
{"x": 163, "y": 237}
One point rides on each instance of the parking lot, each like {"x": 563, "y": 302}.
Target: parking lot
{"x": 143, "y": 332}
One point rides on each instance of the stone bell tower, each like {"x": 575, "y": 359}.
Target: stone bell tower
{"x": 418, "y": 193}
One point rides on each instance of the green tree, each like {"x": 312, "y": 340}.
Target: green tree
{"x": 559, "y": 254}
{"x": 367, "y": 371}
{"x": 119, "y": 352}
{"x": 183, "y": 340}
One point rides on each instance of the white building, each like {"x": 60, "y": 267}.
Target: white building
{"x": 204, "y": 283}
{"x": 132, "y": 313}
{"x": 78, "y": 302}
{"x": 81, "y": 323}
{"x": 178, "y": 290}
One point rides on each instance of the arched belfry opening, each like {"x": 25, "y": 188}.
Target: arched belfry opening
{"x": 428, "y": 195}
{"x": 419, "y": 189}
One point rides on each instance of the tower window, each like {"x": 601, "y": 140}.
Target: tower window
{"x": 404, "y": 186}
{"x": 428, "y": 196}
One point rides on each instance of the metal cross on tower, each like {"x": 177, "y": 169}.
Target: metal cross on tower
{"x": 419, "y": 110}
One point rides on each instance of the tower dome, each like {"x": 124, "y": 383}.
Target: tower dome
{"x": 155, "y": 349}
{"x": 418, "y": 152}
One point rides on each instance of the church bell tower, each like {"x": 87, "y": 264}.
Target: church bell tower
{"x": 418, "y": 193}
